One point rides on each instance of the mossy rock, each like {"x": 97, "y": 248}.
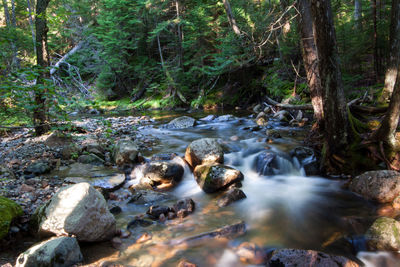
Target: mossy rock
{"x": 384, "y": 234}
{"x": 8, "y": 211}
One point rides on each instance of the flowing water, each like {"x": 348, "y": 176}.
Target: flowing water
{"x": 286, "y": 210}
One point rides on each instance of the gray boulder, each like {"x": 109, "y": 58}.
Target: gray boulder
{"x": 55, "y": 252}
{"x": 206, "y": 150}
{"x": 125, "y": 152}
{"x": 182, "y": 123}
{"x": 298, "y": 257}
{"x": 381, "y": 186}
{"x": 162, "y": 172}
{"x": 214, "y": 177}
{"x": 384, "y": 234}
{"x": 37, "y": 168}
{"x": 78, "y": 210}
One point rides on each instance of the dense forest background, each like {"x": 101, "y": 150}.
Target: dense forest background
{"x": 173, "y": 53}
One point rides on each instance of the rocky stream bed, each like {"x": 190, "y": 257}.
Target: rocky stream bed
{"x": 194, "y": 190}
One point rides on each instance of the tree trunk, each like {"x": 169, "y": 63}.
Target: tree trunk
{"x": 40, "y": 118}
{"x": 336, "y": 125}
{"x": 180, "y": 35}
{"x": 31, "y": 25}
{"x": 358, "y": 14}
{"x": 6, "y": 13}
{"x": 387, "y": 130}
{"x": 310, "y": 60}
{"x": 231, "y": 18}
{"x": 394, "y": 58}
{"x": 375, "y": 38}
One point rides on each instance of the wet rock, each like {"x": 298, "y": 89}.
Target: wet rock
{"x": 257, "y": 108}
{"x": 182, "y": 123}
{"x": 283, "y": 116}
{"x": 163, "y": 157}
{"x": 116, "y": 210}
{"x": 268, "y": 163}
{"x": 37, "y": 168}
{"x": 155, "y": 211}
{"x": 139, "y": 222}
{"x": 234, "y": 194}
{"x": 125, "y": 152}
{"x": 381, "y": 186}
{"x": 384, "y": 234}
{"x": 183, "y": 207}
{"x": 215, "y": 177}
{"x": 78, "y": 210}
{"x": 184, "y": 263}
{"x": 297, "y": 257}
{"x": 267, "y": 110}
{"x": 109, "y": 182}
{"x": 307, "y": 159}
{"x": 116, "y": 242}
{"x": 225, "y": 118}
{"x": 57, "y": 252}
{"x": 9, "y": 210}
{"x": 162, "y": 173}
{"x": 208, "y": 118}
{"x": 262, "y": 119}
{"x": 273, "y": 134}
{"x": 250, "y": 253}
{"x": 91, "y": 159}
{"x": 149, "y": 197}
{"x": 206, "y": 150}
{"x": 396, "y": 203}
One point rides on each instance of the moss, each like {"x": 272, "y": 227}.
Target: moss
{"x": 8, "y": 211}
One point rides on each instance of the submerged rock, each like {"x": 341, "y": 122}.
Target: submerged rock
{"x": 215, "y": 177}
{"x": 307, "y": 159}
{"x": 162, "y": 173}
{"x": 298, "y": 257}
{"x": 384, "y": 234}
{"x": 182, "y": 123}
{"x": 55, "y": 252}
{"x": 250, "y": 253}
{"x": 78, "y": 210}
{"x": 125, "y": 152}
{"x": 108, "y": 182}
{"x": 91, "y": 159}
{"x": 225, "y": 118}
{"x": 9, "y": 210}
{"x": 183, "y": 207}
{"x": 381, "y": 186}
{"x": 156, "y": 211}
{"x": 206, "y": 150}
{"x": 231, "y": 196}
{"x": 149, "y": 197}
{"x": 268, "y": 163}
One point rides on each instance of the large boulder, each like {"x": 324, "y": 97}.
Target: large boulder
{"x": 384, "y": 234}
{"x": 298, "y": 257}
{"x": 8, "y": 211}
{"x": 55, "y": 252}
{"x": 214, "y": 177}
{"x": 381, "y": 186}
{"x": 202, "y": 151}
{"x": 162, "y": 173}
{"x": 182, "y": 123}
{"x": 125, "y": 152}
{"x": 78, "y": 210}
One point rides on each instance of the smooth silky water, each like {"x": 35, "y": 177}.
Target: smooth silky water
{"x": 281, "y": 211}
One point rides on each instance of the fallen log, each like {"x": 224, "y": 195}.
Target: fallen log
{"x": 65, "y": 57}
{"x": 288, "y": 106}
{"x": 368, "y": 110}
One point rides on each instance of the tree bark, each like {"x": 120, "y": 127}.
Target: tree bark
{"x": 31, "y": 25}
{"x": 310, "y": 60}
{"x": 40, "y": 117}
{"x": 231, "y": 18}
{"x": 6, "y": 13}
{"x": 336, "y": 125}
{"x": 180, "y": 35}
{"x": 358, "y": 14}
{"x": 375, "y": 38}
{"x": 394, "y": 58}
